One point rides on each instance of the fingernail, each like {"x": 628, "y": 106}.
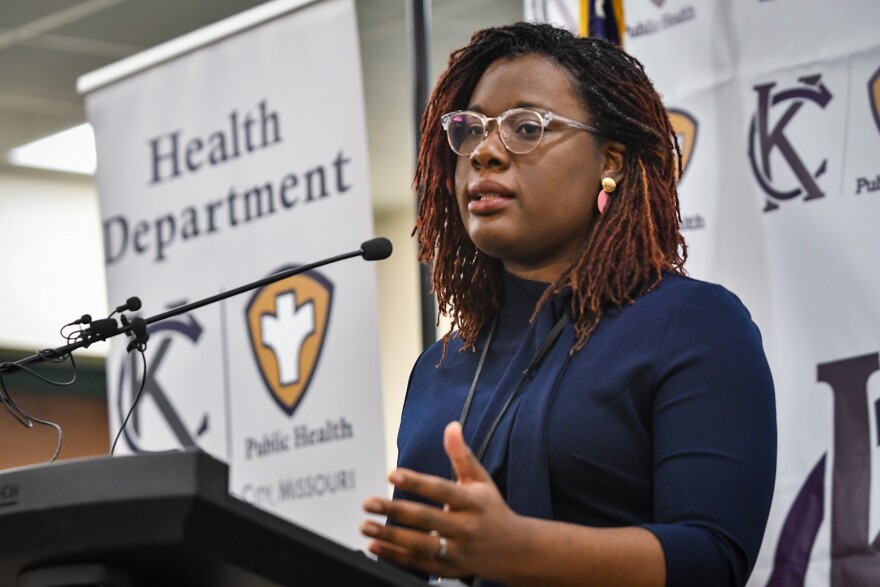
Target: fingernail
{"x": 373, "y": 505}
{"x": 369, "y": 529}
{"x": 396, "y": 477}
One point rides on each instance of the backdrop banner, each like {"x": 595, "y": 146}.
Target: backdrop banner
{"x": 777, "y": 107}
{"x": 219, "y": 164}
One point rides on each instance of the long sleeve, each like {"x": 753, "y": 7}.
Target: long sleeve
{"x": 714, "y": 425}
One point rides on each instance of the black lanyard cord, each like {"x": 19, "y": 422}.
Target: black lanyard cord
{"x": 470, "y": 395}
{"x": 543, "y": 348}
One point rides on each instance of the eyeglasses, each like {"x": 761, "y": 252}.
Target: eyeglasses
{"x": 521, "y": 129}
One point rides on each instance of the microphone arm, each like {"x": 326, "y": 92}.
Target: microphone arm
{"x": 372, "y": 250}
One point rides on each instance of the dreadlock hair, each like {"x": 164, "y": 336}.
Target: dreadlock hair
{"x": 630, "y": 245}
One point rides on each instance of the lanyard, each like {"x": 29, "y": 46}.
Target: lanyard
{"x": 543, "y": 348}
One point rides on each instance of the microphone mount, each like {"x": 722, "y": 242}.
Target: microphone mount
{"x": 372, "y": 250}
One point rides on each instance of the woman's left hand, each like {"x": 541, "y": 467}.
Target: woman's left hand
{"x": 474, "y": 534}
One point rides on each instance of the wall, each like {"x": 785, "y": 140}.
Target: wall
{"x": 52, "y": 256}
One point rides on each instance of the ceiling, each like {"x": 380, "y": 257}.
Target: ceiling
{"x": 45, "y": 45}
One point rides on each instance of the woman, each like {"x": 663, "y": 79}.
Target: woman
{"x": 620, "y": 416}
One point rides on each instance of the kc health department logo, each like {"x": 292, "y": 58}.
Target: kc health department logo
{"x": 767, "y": 140}
{"x": 288, "y": 322}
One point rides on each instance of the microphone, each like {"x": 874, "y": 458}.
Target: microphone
{"x": 84, "y": 319}
{"x": 132, "y": 304}
{"x": 372, "y": 250}
{"x": 376, "y": 249}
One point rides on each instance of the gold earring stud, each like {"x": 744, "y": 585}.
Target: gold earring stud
{"x": 609, "y": 185}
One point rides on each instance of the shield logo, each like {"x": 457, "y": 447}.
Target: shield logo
{"x": 874, "y": 94}
{"x": 288, "y": 322}
{"x": 685, "y": 127}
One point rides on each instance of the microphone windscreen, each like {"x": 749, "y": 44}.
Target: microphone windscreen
{"x": 132, "y": 304}
{"x": 376, "y": 249}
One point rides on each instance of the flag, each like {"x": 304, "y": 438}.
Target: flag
{"x": 604, "y": 19}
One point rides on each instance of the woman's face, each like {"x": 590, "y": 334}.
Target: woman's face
{"x": 535, "y": 211}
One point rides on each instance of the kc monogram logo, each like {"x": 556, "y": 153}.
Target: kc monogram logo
{"x": 186, "y": 427}
{"x": 765, "y": 139}
{"x": 287, "y": 322}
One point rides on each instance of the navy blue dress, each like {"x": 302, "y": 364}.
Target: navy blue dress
{"x": 665, "y": 420}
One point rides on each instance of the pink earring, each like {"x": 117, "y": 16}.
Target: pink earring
{"x": 608, "y": 186}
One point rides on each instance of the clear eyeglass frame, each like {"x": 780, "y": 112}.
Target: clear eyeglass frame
{"x": 520, "y": 145}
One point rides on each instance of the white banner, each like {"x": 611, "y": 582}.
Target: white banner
{"x": 219, "y": 166}
{"x": 778, "y": 106}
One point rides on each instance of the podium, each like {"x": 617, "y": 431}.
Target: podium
{"x": 162, "y": 519}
